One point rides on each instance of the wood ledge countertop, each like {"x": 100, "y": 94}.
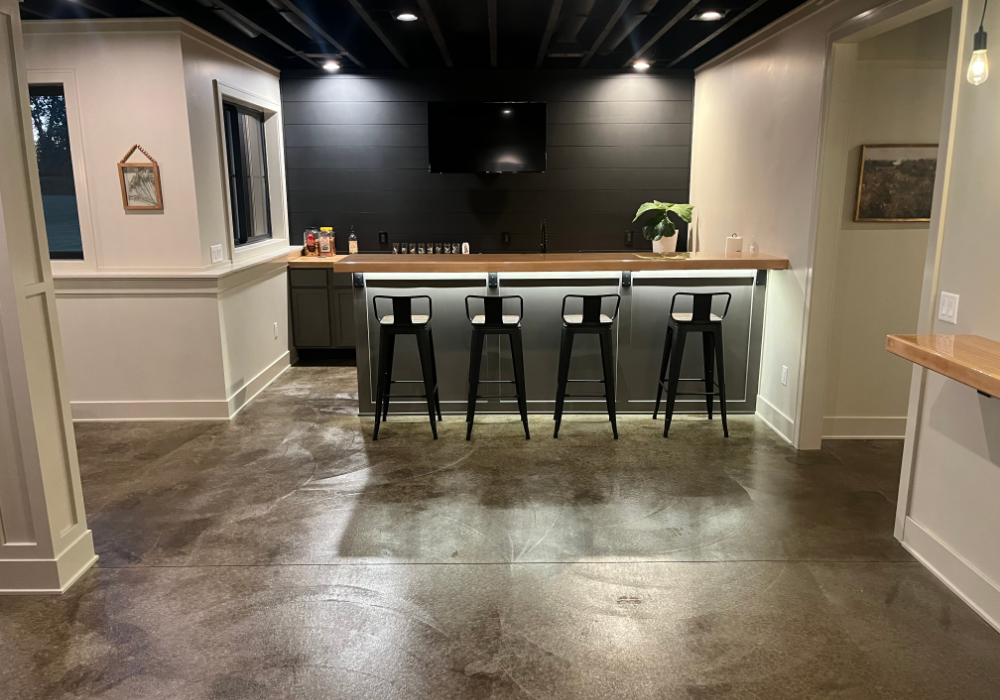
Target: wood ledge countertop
{"x": 540, "y": 262}
{"x": 970, "y": 359}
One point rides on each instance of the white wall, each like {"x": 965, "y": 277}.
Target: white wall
{"x": 898, "y": 96}
{"x": 950, "y": 494}
{"x": 152, "y": 329}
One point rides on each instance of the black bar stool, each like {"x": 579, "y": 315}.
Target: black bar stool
{"x": 699, "y": 320}
{"x": 594, "y": 321}
{"x": 402, "y": 321}
{"x": 493, "y": 321}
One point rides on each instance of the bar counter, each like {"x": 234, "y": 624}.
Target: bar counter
{"x": 645, "y": 281}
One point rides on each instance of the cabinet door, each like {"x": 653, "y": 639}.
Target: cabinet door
{"x": 311, "y": 318}
{"x": 344, "y": 305}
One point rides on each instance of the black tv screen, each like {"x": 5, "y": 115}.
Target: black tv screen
{"x": 486, "y": 137}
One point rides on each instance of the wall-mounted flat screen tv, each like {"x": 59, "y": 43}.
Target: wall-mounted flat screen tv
{"x": 486, "y": 137}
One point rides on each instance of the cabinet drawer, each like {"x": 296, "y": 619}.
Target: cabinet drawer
{"x": 307, "y": 278}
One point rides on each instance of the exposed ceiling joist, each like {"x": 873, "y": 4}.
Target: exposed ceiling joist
{"x": 716, "y": 33}
{"x": 294, "y": 9}
{"x": 373, "y": 25}
{"x": 227, "y": 5}
{"x": 663, "y": 30}
{"x": 604, "y": 32}
{"x": 491, "y": 7}
{"x": 432, "y": 24}
{"x": 89, "y": 7}
{"x": 550, "y": 28}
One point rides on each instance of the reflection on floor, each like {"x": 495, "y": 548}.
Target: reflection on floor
{"x": 285, "y": 555}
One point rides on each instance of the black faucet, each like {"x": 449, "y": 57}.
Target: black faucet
{"x": 545, "y": 236}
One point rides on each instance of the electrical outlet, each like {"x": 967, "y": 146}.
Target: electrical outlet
{"x": 505, "y": 238}
{"x": 628, "y": 239}
{"x": 948, "y": 308}
{"x": 784, "y": 375}
{"x": 216, "y": 253}
{"x": 383, "y": 238}
{"x": 275, "y": 330}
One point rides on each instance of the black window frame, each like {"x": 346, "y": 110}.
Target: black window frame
{"x": 239, "y": 180}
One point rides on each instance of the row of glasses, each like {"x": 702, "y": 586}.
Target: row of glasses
{"x": 428, "y": 248}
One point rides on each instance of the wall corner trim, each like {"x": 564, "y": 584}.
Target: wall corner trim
{"x": 775, "y": 420}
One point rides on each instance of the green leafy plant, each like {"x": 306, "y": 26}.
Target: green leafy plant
{"x": 657, "y": 224}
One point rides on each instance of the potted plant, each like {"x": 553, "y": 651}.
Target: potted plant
{"x": 657, "y": 226}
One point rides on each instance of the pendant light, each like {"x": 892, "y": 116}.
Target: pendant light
{"x": 979, "y": 66}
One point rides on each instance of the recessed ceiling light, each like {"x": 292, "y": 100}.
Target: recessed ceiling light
{"x": 331, "y": 66}
{"x": 641, "y": 65}
{"x": 708, "y": 16}
{"x": 407, "y": 17}
{"x": 508, "y": 111}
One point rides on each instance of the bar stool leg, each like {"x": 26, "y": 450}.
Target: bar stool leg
{"x": 424, "y": 347}
{"x": 434, "y": 366}
{"x": 475, "y": 361}
{"x": 517, "y": 354}
{"x": 720, "y": 361}
{"x": 663, "y": 369}
{"x": 708, "y": 351}
{"x": 565, "y": 350}
{"x": 390, "y": 345}
{"x": 380, "y": 380}
{"x": 674, "y": 380}
{"x": 608, "y": 359}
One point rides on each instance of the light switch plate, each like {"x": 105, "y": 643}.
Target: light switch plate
{"x": 948, "y": 308}
{"x": 784, "y": 375}
{"x": 216, "y": 253}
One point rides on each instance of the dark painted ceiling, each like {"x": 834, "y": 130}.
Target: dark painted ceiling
{"x": 605, "y": 34}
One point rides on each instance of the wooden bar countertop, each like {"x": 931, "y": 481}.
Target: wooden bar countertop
{"x": 969, "y": 359}
{"x": 542, "y": 262}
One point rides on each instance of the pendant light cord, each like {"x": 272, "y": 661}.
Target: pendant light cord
{"x": 983, "y": 18}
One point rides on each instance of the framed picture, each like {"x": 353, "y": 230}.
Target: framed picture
{"x": 896, "y": 182}
{"x": 140, "y": 182}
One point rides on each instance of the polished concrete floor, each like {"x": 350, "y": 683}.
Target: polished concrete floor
{"x": 286, "y": 555}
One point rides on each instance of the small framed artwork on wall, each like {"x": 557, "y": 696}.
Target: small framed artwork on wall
{"x": 140, "y": 182}
{"x": 896, "y": 182}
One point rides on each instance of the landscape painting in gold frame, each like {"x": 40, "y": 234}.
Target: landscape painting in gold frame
{"x": 896, "y": 182}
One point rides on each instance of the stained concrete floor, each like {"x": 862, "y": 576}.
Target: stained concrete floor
{"x": 286, "y": 555}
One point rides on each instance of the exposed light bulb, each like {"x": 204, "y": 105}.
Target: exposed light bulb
{"x": 406, "y": 17}
{"x": 331, "y": 66}
{"x": 641, "y": 65}
{"x": 709, "y": 16}
{"x": 979, "y": 66}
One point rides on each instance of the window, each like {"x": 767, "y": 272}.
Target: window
{"x": 55, "y": 171}
{"x": 246, "y": 161}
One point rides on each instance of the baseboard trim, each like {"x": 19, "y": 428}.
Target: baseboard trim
{"x": 967, "y": 582}
{"x": 48, "y": 576}
{"x": 143, "y": 411}
{"x": 775, "y": 419}
{"x": 864, "y": 427}
{"x": 241, "y": 398}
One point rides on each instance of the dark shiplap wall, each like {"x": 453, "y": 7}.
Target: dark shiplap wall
{"x": 357, "y": 154}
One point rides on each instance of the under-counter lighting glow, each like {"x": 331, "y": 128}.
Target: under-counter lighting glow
{"x": 979, "y": 66}
{"x": 708, "y": 16}
{"x": 641, "y": 65}
{"x": 331, "y": 66}
{"x": 406, "y": 17}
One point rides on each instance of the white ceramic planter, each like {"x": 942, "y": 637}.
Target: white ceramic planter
{"x": 667, "y": 244}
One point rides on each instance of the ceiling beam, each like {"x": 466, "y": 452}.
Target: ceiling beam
{"x": 89, "y": 7}
{"x": 604, "y": 32}
{"x": 432, "y": 24}
{"x": 663, "y": 30}
{"x": 716, "y": 33}
{"x": 226, "y": 4}
{"x": 491, "y": 8}
{"x": 293, "y": 8}
{"x": 550, "y": 29}
{"x": 378, "y": 32}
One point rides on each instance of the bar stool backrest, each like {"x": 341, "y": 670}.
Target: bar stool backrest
{"x": 593, "y": 305}
{"x": 493, "y": 308}
{"x": 701, "y": 306}
{"x": 402, "y": 309}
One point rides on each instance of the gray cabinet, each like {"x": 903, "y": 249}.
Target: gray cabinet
{"x": 322, "y": 309}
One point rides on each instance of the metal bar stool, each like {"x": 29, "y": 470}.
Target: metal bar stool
{"x": 592, "y": 320}
{"x": 493, "y": 321}
{"x": 402, "y": 321}
{"x": 699, "y": 320}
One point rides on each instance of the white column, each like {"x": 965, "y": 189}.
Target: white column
{"x": 44, "y": 541}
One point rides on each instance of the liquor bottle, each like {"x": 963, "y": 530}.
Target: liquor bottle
{"x": 352, "y": 242}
